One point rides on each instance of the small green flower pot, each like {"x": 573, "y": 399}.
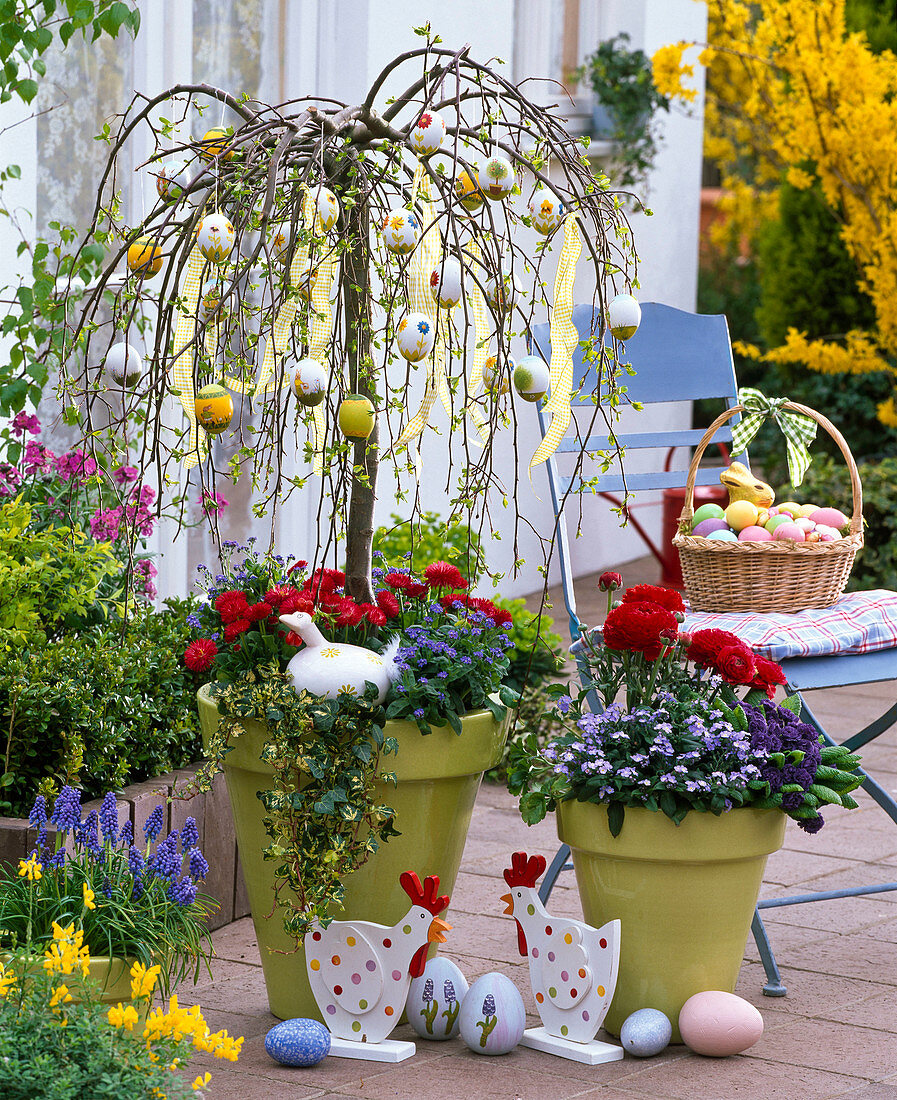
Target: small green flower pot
{"x": 438, "y": 779}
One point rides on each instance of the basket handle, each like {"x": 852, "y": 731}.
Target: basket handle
{"x": 856, "y": 520}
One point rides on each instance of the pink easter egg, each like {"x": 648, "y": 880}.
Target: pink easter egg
{"x": 718, "y": 1024}
{"x": 830, "y": 517}
{"x": 788, "y": 531}
{"x": 773, "y": 511}
{"x": 806, "y": 525}
{"x": 826, "y": 535}
{"x": 754, "y": 534}
{"x": 705, "y": 527}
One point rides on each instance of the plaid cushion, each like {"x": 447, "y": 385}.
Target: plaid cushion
{"x": 859, "y": 622}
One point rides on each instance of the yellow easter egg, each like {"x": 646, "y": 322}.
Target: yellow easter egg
{"x": 213, "y": 143}
{"x": 145, "y": 257}
{"x": 741, "y": 514}
{"x": 356, "y": 416}
{"x": 214, "y": 408}
{"x": 467, "y": 189}
{"x": 791, "y": 507}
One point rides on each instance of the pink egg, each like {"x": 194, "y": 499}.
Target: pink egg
{"x": 806, "y": 525}
{"x": 828, "y": 533}
{"x": 773, "y": 511}
{"x": 788, "y": 531}
{"x": 704, "y": 528}
{"x": 718, "y": 1024}
{"x": 754, "y": 534}
{"x": 830, "y": 517}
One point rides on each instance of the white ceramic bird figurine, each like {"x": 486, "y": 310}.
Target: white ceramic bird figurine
{"x": 572, "y": 966}
{"x": 327, "y": 668}
{"x": 360, "y": 972}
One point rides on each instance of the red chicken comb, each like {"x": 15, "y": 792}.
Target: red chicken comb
{"x": 426, "y": 895}
{"x": 524, "y": 870}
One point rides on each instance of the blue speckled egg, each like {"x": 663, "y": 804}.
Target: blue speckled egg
{"x": 492, "y": 1016}
{"x": 434, "y": 1000}
{"x": 646, "y": 1033}
{"x": 298, "y": 1042}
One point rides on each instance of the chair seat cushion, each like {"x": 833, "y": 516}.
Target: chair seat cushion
{"x": 858, "y": 622}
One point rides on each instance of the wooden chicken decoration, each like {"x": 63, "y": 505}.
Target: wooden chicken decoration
{"x": 360, "y": 972}
{"x": 572, "y": 966}
{"x": 742, "y": 485}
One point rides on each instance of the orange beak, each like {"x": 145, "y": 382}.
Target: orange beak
{"x": 437, "y": 931}
{"x": 508, "y": 898}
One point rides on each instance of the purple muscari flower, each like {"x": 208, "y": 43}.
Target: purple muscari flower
{"x": 58, "y": 860}
{"x": 489, "y": 1005}
{"x": 428, "y": 989}
{"x": 166, "y": 861}
{"x": 38, "y": 815}
{"x": 66, "y": 810}
{"x": 812, "y": 824}
{"x": 136, "y": 862}
{"x": 86, "y": 834}
{"x": 109, "y": 818}
{"x": 199, "y": 866}
{"x": 189, "y": 834}
{"x": 183, "y": 892}
{"x": 106, "y": 888}
{"x": 448, "y": 991}
{"x": 138, "y": 890}
{"x": 126, "y": 835}
{"x": 154, "y": 824}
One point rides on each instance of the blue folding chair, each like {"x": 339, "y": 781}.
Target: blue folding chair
{"x": 679, "y": 356}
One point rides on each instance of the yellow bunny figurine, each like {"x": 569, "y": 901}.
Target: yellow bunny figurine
{"x": 742, "y": 485}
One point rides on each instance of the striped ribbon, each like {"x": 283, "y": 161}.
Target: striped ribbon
{"x": 799, "y": 430}
{"x": 182, "y": 355}
{"x": 564, "y": 340}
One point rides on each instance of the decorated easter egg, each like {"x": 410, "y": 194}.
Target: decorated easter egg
{"x": 172, "y": 178}
{"x": 531, "y": 378}
{"x": 741, "y": 513}
{"x": 830, "y": 517}
{"x": 429, "y": 133}
{"x": 298, "y": 1042}
{"x": 356, "y": 416}
{"x": 124, "y": 364}
{"x": 777, "y": 520}
{"x": 706, "y": 511}
{"x": 415, "y": 334}
{"x": 495, "y": 374}
{"x": 788, "y": 531}
{"x": 445, "y": 282}
{"x": 145, "y": 257}
{"x": 306, "y": 282}
{"x": 791, "y": 507}
{"x": 545, "y": 211}
{"x": 215, "y": 236}
{"x": 723, "y": 536}
{"x": 467, "y": 189}
{"x": 806, "y": 525}
{"x": 624, "y": 315}
{"x": 754, "y": 533}
{"x": 492, "y": 1016}
{"x": 503, "y": 291}
{"x": 401, "y": 231}
{"x": 210, "y": 299}
{"x": 214, "y": 142}
{"x": 327, "y": 205}
{"x": 645, "y": 1033}
{"x": 279, "y": 241}
{"x": 708, "y": 526}
{"x": 826, "y": 533}
{"x": 497, "y": 178}
{"x": 435, "y": 998}
{"x": 718, "y": 1024}
{"x": 214, "y": 408}
{"x": 310, "y": 382}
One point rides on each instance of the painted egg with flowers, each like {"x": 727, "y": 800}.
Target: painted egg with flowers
{"x": 467, "y": 189}
{"x": 145, "y": 257}
{"x": 401, "y": 230}
{"x": 279, "y": 242}
{"x": 415, "y": 334}
{"x": 496, "y": 374}
{"x": 429, "y": 133}
{"x": 210, "y": 300}
{"x": 445, "y": 282}
{"x": 309, "y": 382}
{"x": 545, "y": 211}
{"x": 502, "y": 292}
{"x": 327, "y": 205}
{"x": 492, "y": 1015}
{"x": 172, "y": 178}
{"x": 434, "y": 1000}
{"x": 214, "y": 408}
{"x": 497, "y": 178}
{"x": 215, "y": 236}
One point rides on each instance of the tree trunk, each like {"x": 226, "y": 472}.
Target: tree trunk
{"x": 365, "y": 458}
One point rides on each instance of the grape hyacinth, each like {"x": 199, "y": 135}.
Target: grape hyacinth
{"x": 66, "y": 810}
{"x": 109, "y": 818}
{"x": 189, "y": 834}
{"x": 154, "y": 823}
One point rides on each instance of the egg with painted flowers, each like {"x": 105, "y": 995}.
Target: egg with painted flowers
{"x": 214, "y": 408}
{"x": 415, "y": 334}
{"x": 497, "y": 178}
{"x": 492, "y": 1016}
{"x": 401, "y": 231}
{"x": 503, "y": 291}
{"x": 445, "y": 283}
{"x": 531, "y": 378}
{"x": 215, "y": 236}
{"x": 545, "y": 211}
{"x": 309, "y": 382}
{"x": 210, "y": 300}
{"x": 327, "y": 207}
{"x": 496, "y": 374}
{"x": 429, "y": 133}
{"x": 434, "y": 1000}
{"x": 172, "y": 179}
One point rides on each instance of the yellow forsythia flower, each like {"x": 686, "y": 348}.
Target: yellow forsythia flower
{"x": 667, "y": 71}
{"x": 30, "y": 868}
{"x": 201, "y": 1082}
{"x": 143, "y": 981}
{"x": 89, "y": 895}
{"x": 123, "y": 1016}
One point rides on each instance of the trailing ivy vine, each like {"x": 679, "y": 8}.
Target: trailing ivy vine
{"x": 323, "y": 816}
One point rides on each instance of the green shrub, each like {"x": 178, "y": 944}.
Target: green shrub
{"x": 98, "y": 710}
{"x": 535, "y": 716}
{"x": 538, "y": 652}
{"x": 429, "y": 538}
{"x": 827, "y": 482}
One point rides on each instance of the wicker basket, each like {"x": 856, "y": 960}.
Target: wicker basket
{"x": 767, "y": 576}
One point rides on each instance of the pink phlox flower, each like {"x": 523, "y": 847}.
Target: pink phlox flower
{"x": 75, "y": 464}
{"x": 23, "y": 422}
{"x": 144, "y": 570}
{"x": 10, "y": 478}
{"x": 139, "y": 519}
{"x": 125, "y": 474}
{"x": 106, "y": 525}
{"x": 212, "y": 502}
{"x": 37, "y": 457}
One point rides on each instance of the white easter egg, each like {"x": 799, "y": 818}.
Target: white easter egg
{"x": 496, "y": 374}
{"x": 445, "y": 282}
{"x": 492, "y": 1016}
{"x": 309, "y": 382}
{"x": 172, "y": 178}
{"x": 429, "y": 133}
{"x": 435, "y": 998}
{"x": 327, "y": 205}
{"x": 215, "y": 237}
{"x": 624, "y": 316}
{"x": 546, "y": 211}
{"x": 415, "y": 334}
{"x": 502, "y": 292}
{"x": 279, "y": 241}
{"x": 124, "y": 364}
{"x": 401, "y": 230}
{"x": 531, "y": 378}
{"x": 497, "y": 178}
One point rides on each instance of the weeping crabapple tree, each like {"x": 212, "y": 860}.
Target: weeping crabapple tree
{"x": 290, "y": 257}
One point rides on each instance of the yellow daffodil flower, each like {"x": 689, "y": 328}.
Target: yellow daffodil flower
{"x": 89, "y": 895}
{"x": 30, "y": 868}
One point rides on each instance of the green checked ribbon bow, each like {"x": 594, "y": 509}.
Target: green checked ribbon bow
{"x": 799, "y": 430}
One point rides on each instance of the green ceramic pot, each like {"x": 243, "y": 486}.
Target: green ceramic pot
{"x": 438, "y": 779}
{"x": 109, "y": 977}
{"x": 685, "y": 895}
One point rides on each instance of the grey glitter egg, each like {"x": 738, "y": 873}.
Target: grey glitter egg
{"x": 298, "y": 1042}
{"x": 645, "y": 1033}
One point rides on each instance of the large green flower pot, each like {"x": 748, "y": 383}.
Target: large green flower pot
{"x": 438, "y": 779}
{"x": 685, "y": 895}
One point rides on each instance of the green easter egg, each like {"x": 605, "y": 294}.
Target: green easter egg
{"x": 774, "y": 521}
{"x": 706, "y": 511}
